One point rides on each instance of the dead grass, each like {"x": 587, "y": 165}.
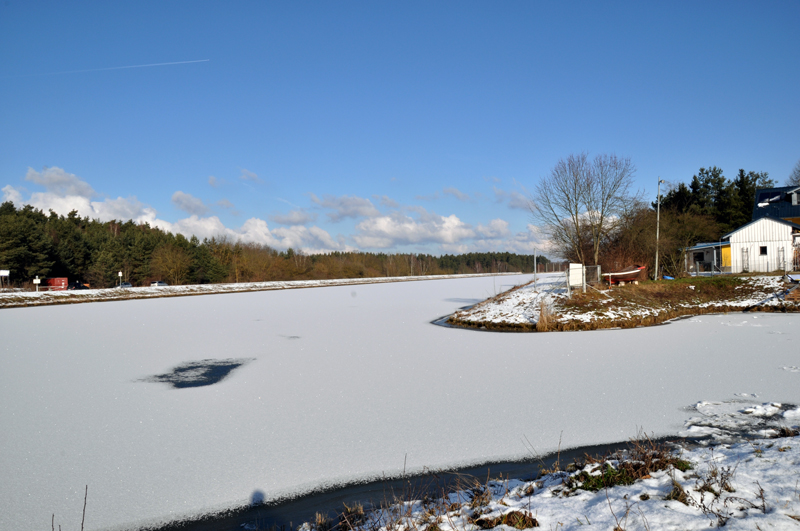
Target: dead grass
{"x": 640, "y": 460}
{"x": 545, "y": 317}
{"x": 515, "y": 519}
{"x": 646, "y": 304}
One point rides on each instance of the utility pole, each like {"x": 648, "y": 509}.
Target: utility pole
{"x": 658, "y": 223}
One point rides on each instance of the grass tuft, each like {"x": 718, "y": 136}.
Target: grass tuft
{"x": 677, "y": 493}
{"x": 642, "y": 458}
{"x": 515, "y": 519}
{"x": 545, "y": 317}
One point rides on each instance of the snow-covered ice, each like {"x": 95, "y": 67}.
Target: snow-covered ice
{"x": 337, "y": 384}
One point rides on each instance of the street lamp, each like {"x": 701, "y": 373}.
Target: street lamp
{"x": 658, "y": 223}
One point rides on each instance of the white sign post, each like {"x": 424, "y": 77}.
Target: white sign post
{"x": 120, "y": 277}
{"x": 37, "y": 282}
{"x": 5, "y": 273}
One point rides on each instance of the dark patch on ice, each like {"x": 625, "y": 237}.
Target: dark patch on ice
{"x": 291, "y": 337}
{"x": 198, "y": 373}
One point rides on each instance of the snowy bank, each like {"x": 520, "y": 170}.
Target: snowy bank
{"x": 746, "y": 486}
{"x": 13, "y": 298}
{"x": 623, "y": 307}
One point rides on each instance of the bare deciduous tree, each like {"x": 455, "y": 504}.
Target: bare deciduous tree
{"x": 581, "y": 201}
{"x": 171, "y": 262}
{"x": 794, "y": 177}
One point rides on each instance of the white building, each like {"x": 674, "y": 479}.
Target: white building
{"x": 763, "y": 245}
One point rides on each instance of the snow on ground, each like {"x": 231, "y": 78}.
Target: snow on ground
{"x": 11, "y": 298}
{"x": 751, "y": 485}
{"x": 522, "y": 305}
{"x": 316, "y": 387}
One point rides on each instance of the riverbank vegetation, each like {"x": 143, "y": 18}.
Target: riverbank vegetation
{"x": 547, "y": 308}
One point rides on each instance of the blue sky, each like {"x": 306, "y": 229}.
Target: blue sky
{"x": 380, "y": 126}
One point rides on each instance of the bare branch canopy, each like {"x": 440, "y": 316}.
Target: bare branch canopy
{"x": 580, "y": 202}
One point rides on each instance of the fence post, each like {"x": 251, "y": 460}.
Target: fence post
{"x": 583, "y": 277}
{"x": 569, "y": 291}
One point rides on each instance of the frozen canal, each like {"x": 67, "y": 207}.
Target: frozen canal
{"x": 336, "y": 383}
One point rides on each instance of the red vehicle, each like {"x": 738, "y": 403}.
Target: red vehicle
{"x": 56, "y": 284}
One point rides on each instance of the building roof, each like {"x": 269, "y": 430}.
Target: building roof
{"x": 708, "y": 245}
{"x": 777, "y": 220}
{"x": 776, "y": 203}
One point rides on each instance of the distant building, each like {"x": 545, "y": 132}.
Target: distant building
{"x": 779, "y": 203}
{"x": 763, "y": 245}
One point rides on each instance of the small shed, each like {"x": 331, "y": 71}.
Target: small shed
{"x": 709, "y": 257}
{"x": 764, "y": 245}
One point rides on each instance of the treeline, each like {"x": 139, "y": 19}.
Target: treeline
{"x": 33, "y": 243}
{"x": 729, "y": 203}
{"x": 703, "y": 210}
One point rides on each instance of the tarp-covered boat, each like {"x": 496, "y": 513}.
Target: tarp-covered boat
{"x": 629, "y": 274}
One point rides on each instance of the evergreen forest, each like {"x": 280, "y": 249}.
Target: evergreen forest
{"x": 33, "y": 243}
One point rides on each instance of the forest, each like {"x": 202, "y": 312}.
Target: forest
{"x": 33, "y": 243}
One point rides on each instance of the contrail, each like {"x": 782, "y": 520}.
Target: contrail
{"x": 113, "y": 68}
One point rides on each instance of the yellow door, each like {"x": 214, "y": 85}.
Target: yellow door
{"x": 726, "y": 256}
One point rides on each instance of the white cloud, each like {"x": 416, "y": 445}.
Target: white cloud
{"x": 247, "y": 175}
{"x": 213, "y": 181}
{"x": 346, "y": 206}
{"x": 254, "y": 230}
{"x": 121, "y": 209}
{"x": 386, "y": 201}
{"x": 450, "y": 190}
{"x": 497, "y": 228}
{"x": 189, "y": 203}
{"x": 294, "y": 217}
{"x": 432, "y": 197}
{"x": 399, "y": 229}
{"x": 524, "y": 242}
{"x": 412, "y": 225}
{"x": 56, "y": 181}
{"x": 12, "y": 194}
{"x": 66, "y": 192}
{"x": 309, "y": 240}
{"x": 455, "y": 192}
{"x": 516, "y": 200}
